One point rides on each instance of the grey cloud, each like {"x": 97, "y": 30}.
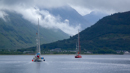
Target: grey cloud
{"x": 29, "y": 12}
{"x": 46, "y": 19}
{"x": 3, "y": 15}
{"x": 104, "y": 5}
{"x": 12, "y": 2}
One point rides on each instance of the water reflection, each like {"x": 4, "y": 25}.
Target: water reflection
{"x": 38, "y": 64}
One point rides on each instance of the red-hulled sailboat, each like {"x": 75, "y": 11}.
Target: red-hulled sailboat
{"x": 78, "y": 49}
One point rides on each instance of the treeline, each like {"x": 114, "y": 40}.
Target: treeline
{"x": 9, "y": 52}
{"x": 25, "y": 51}
{"x": 111, "y": 32}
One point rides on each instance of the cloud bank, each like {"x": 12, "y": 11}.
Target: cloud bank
{"x": 46, "y": 19}
{"x": 30, "y": 10}
{"x": 3, "y": 15}
{"x": 108, "y": 6}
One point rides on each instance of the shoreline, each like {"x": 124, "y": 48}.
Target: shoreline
{"x": 65, "y": 54}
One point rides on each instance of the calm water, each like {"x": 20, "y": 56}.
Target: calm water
{"x": 65, "y": 64}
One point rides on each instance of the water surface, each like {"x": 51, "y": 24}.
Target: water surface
{"x": 65, "y": 64}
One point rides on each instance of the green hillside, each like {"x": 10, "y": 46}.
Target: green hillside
{"x": 111, "y": 32}
{"x": 16, "y": 33}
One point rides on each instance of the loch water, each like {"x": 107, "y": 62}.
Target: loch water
{"x": 65, "y": 64}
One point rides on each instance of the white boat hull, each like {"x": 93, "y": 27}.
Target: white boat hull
{"x": 39, "y": 60}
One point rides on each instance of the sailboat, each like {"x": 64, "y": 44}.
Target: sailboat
{"x": 78, "y": 48}
{"x": 37, "y": 57}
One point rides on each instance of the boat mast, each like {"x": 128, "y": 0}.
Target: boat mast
{"x": 38, "y": 38}
{"x": 78, "y": 43}
{"x": 76, "y": 49}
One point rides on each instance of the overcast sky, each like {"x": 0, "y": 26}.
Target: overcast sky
{"x": 30, "y": 10}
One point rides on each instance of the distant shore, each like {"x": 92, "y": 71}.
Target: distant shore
{"x": 65, "y": 54}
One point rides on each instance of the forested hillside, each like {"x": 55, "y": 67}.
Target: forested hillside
{"x": 16, "y": 33}
{"x": 111, "y": 32}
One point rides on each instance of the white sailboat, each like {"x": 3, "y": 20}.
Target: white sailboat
{"x": 37, "y": 57}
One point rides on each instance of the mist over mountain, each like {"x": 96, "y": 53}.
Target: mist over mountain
{"x": 16, "y": 32}
{"x": 94, "y": 16}
{"x": 71, "y": 15}
{"x": 18, "y": 28}
{"x": 74, "y": 18}
{"x": 110, "y": 32}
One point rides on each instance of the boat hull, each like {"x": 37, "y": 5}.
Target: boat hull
{"x": 38, "y": 60}
{"x": 78, "y": 56}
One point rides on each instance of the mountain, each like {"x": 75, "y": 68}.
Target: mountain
{"x": 16, "y": 33}
{"x": 94, "y": 16}
{"x": 66, "y": 12}
{"x": 110, "y": 32}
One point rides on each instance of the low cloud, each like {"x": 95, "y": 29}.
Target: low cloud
{"x": 82, "y": 6}
{"x": 3, "y": 15}
{"x": 46, "y": 20}
{"x": 30, "y": 10}
{"x": 81, "y": 10}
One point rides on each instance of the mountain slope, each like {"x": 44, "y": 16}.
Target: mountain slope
{"x": 17, "y": 33}
{"x": 111, "y": 32}
{"x": 70, "y": 14}
{"x": 93, "y": 17}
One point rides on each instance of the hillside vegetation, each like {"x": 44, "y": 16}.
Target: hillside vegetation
{"x": 17, "y": 33}
{"x": 111, "y": 32}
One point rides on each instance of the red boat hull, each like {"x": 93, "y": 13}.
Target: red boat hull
{"x": 78, "y": 56}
